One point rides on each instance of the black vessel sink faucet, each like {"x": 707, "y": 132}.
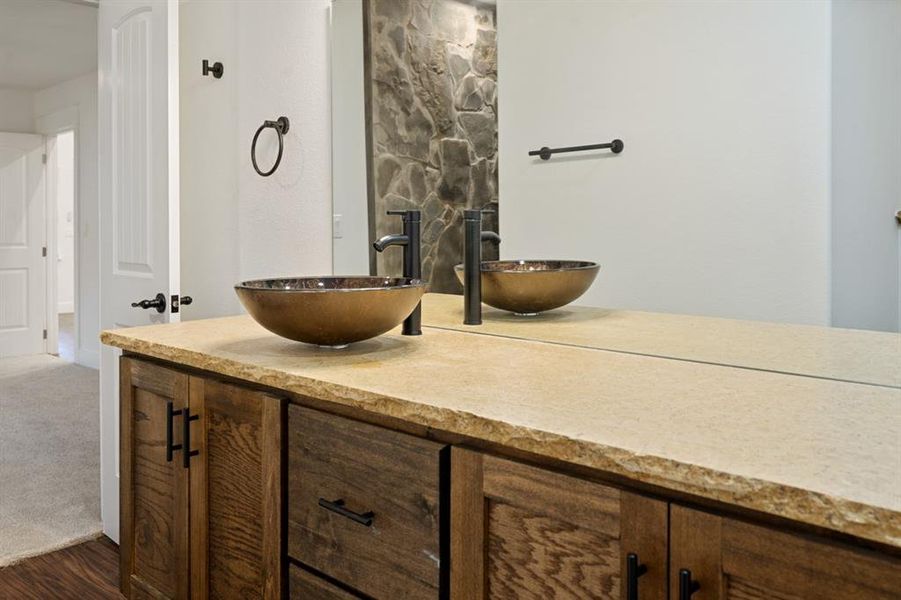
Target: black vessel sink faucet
{"x": 409, "y": 239}
{"x": 473, "y": 236}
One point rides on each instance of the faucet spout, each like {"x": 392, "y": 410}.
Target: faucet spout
{"x": 411, "y": 242}
{"x": 490, "y": 236}
{"x": 395, "y": 239}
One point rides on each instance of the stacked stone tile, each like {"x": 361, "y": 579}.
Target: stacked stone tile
{"x": 433, "y": 114}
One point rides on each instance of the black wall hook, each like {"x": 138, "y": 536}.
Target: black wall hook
{"x": 281, "y": 126}
{"x": 216, "y": 70}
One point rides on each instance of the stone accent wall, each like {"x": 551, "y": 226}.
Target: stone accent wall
{"x": 433, "y": 119}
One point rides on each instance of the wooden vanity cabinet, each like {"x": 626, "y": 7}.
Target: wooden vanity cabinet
{"x": 723, "y": 558}
{"x": 306, "y": 586}
{"x": 153, "y": 502}
{"x": 366, "y": 511}
{"x": 521, "y": 532}
{"x": 209, "y": 527}
{"x": 236, "y": 492}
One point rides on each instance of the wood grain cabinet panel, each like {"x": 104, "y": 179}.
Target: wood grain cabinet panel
{"x": 236, "y": 500}
{"x": 306, "y": 586}
{"x": 364, "y": 505}
{"x": 522, "y": 532}
{"x": 153, "y": 509}
{"x": 211, "y": 528}
{"x": 734, "y": 560}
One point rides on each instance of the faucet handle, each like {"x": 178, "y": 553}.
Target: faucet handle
{"x": 407, "y": 215}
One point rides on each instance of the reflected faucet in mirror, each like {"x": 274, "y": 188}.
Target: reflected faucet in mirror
{"x": 410, "y": 240}
{"x": 473, "y": 237}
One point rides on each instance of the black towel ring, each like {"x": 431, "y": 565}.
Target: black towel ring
{"x": 281, "y": 127}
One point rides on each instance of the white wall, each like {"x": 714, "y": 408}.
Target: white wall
{"x": 65, "y": 222}
{"x": 350, "y": 202}
{"x": 55, "y": 109}
{"x": 16, "y": 110}
{"x": 209, "y": 161}
{"x": 235, "y": 224}
{"x": 866, "y": 163}
{"x": 719, "y": 203}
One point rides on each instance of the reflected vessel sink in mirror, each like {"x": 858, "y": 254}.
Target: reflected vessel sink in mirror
{"x": 330, "y": 311}
{"x": 528, "y": 287}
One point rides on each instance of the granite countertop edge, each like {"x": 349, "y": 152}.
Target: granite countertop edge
{"x": 866, "y": 522}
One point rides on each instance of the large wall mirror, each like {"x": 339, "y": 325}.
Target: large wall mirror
{"x": 760, "y": 172}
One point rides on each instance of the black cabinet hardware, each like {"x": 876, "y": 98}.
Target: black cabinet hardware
{"x": 170, "y": 416}
{"x": 616, "y": 146}
{"x": 634, "y": 570}
{"x": 179, "y": 301}
{"x": 281, "y": 126}
{"x": 186, "y": 452}
{"x": 337, "y": 506}
{"x": 216, "y": 70}
{"x": 158, "y": 302}
{"x": 410, "y": 240}
{"x": 687, "y": 585}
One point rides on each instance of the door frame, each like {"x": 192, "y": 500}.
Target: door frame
{"x": 63, "y": 120}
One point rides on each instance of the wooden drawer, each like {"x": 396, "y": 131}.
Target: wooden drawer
{"x": 306, "y": 586}
{"x": 336, "y": 464}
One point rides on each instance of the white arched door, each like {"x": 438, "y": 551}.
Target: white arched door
{"x": 138, "y": 158}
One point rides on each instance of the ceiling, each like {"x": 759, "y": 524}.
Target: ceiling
{"x": 44, "y": 42}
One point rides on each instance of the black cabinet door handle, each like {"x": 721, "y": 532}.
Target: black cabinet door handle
{"x": 634, "y": 570}
{"x": 187, "y": 453}
{"x": 337, "y": 506}
{"x": 687, "y": 585}
{"x": 170, "y": 416}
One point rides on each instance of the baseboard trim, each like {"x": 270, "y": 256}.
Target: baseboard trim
{"x": 87, "y": 358}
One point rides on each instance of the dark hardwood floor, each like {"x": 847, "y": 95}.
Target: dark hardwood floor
{"x": 83, "y": 572}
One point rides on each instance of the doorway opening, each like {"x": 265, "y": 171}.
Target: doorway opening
{"x": 62, "y": 307}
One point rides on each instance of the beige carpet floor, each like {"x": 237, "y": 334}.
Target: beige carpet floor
{"x": 49, "y": 455}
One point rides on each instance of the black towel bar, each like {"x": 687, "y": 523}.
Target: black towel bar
{"x": 616, "y": 146}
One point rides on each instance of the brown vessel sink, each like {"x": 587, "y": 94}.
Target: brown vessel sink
{"x": 528, "y": 287}
{"x": 330, "y": 311}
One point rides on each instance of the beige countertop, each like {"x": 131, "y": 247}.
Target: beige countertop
{"x": 821, "y": 452}
{"x": 831, "y": 353}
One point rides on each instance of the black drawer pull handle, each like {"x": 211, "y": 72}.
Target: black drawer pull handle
{"x": 687, "y": 585}
{"x": 634, "y": 570}
{"x": 187, "y": 453}
{"x": 170, "y": 416}
{"x": 337, "y": 506}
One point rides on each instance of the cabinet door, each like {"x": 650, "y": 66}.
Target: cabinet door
{"x": 153, "y": 509}
{"x": 236, "y": 492}
{"x": 729, "y": 559}
{"x": 522, "y": 532}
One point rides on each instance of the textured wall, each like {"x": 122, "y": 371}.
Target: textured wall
{"x": 433, "y": 116}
